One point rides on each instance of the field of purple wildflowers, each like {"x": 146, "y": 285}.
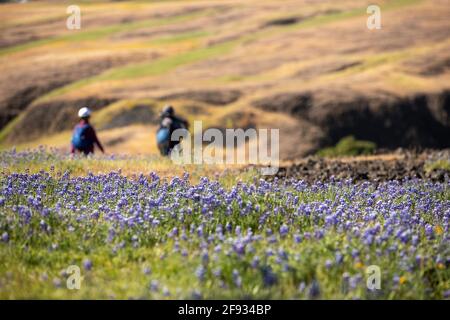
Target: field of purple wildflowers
{"x": 148, "y": 237}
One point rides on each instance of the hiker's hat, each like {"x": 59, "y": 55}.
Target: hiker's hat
{"x": 84, "y": 112}
{"x": 168, "y": 110}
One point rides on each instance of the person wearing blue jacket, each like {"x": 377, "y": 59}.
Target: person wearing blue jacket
{"x": 84, "y": 136}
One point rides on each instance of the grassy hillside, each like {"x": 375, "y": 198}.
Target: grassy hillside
{"x": 188, "y": 53}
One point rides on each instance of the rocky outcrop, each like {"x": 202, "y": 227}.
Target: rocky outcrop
{"x": 420, "y": 121}
{"x": 401, "y": 165}
{"x": 297, "y": 104}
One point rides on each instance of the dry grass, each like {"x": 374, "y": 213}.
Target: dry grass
{"x": 218, "y": 45}
{"x": 58, "y": 162}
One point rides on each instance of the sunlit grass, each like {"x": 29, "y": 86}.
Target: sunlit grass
{"x": 102, "y": 32}
{"x": 105, "y": 115}
{"x": 129, "y": 166}
{"x": 187, "y": 48}
{"x": 166, "y": 64}
{"x": 370, "y": 62}
{"x": 374, "y": 61}
{"x": 146, "y": 69}
{"x": 184, "y": 36}
{"x": 438, "y": 165}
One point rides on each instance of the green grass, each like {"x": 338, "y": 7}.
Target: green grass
{"x": 332, "y": 17}
{"x": 348, "y": 146}
{"x": 147, "y": 69}
{"x": 34, "y": 261}
{"x": 373, "y": 61}
{"x": 370, "y": 62}
{"x": 103, "y": 32}
{"x": 167, "y": 64}
{"x": 441, "y": 164}
{"x": 180, "y": 37}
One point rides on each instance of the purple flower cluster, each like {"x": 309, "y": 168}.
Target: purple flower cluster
{"x": 274, "y": 232}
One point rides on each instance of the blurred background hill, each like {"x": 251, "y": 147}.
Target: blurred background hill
{"x": 308, "y": 67}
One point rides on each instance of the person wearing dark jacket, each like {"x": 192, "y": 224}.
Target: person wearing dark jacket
{"x": 169, "y": 122}
{"x": 84, "y": 136}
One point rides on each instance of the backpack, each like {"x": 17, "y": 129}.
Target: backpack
{"x": 163, "y": 135}
{"x": 79, "y": 139}
{"x": 163, "y": 140}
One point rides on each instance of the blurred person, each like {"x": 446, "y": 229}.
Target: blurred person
{"x": 84, "y": 136}
{"x": 169, "y": 122}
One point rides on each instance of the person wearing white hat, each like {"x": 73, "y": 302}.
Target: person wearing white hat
{"x": 84, "y": 113}
{"x": 84, "y": 136}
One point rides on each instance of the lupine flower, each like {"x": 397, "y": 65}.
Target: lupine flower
{"x": 57, "y": 282}
{"x": 196, "y": 295}
{"x": 147, "y": 271}
{"x": 200, "y": 272}
{"x": 5, "y": 236}
{"x": 255, "y": 262}
{"x": 399, "y": 221}
{"x": 154, "y": 285}
{"x": 205, "y": 257}
{"x": 237, "y": 278}
{"x": 166, "y": 292}
{"x": 314, "y": 290}
{"x": 446, "y": 294}
{"x": 87, "y": 264}
{"x": 269, "y": 277}
{"x": 217, "y": 272}
{"x": 284, "y": 229}
{"x": 301, "y": 287}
